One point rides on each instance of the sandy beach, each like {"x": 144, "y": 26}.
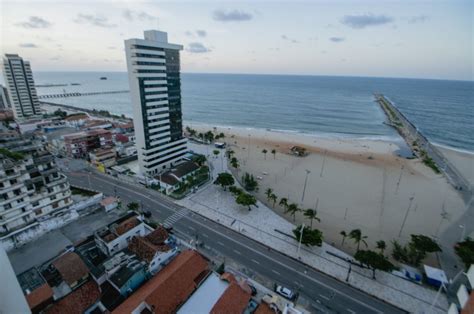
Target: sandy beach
{"x": 355, "y": 184}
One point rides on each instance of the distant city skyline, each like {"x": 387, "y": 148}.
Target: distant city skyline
{"x": 419, "y": 39}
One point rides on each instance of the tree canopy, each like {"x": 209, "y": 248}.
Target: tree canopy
{"x": 415, "y": 251}
{"x": 374, "y": 260}
{"x": 465, "y": 251}
{"x": 246, "y": 199}
{"x": 311, "y": 237}
{"x": 224, "y": 179}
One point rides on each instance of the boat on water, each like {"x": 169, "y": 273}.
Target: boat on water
{"x": 103, "y": 78}
{"x": 74, "y": 84}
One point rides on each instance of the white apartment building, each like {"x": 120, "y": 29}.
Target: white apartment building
{"x": 31, "y": 186}
{"x": 21, "y": 87}
{"x": 155, "y": 88}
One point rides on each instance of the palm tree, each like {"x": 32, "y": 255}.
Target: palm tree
{"x": 344, "y": 236}
{"x": 264, "y": 151}
{"x": 293, "y": 209}
{"x": 312, "y": 215}
{"x": 358, "y": 238}
{"x": 268, "y": 193}
{"x": 381, "y": 245}
{"x": 283, "y": 202}
{"x": 234, "y": 163}
{"x": 274, "y": 198}
{"x": 274, "y": 153}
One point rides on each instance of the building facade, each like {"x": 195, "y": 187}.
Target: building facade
{"x": 4, "y": 101}
{"x": 155, "y": 88}
{"x": 21, "y": 87}
{"x": 79, "y": 145}
{"x": 30, "y": 185}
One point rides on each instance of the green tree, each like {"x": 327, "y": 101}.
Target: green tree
{"x": 234, "y": 163}
{"x": 216, "y": 152}
{"x": 310, "y": 236}
{"x": 292, "y": 210}
{"x": 274, "y": 153}
{"x": 246, "y": 199}
{"x": 358, "y": 238}
{"x": 465, "y": 251}
{"x": 381, "y": 245}
{"x": 200, "y": 160}
{"x": 415, "y": 251}
{"x": 209, "y": 136}
{"x": 229, "y": 153}
{"x": 283, "y": 203}
{"x": 274, "y": 198}
{"x": 133, "y": 206}
{"x": 374, "y": 261}
{"x": 268, "y": 193}
{"x": 249, "y": 182}
{"x": 235, "y": 190}
{"x": 264, "y": 152}
{"x": 344, "y": 236}
{"x": 224, "y": 179}
{"x": 312, "y": 214}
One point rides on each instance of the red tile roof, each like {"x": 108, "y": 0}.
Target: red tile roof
{"x": 39, "y": 296}
{"x": 233, "y": 300}
{"x": 469, "y": 306}
{"x": 146, "y": 247}
{"x": 264, "y": 308}
{"x": 71, "y": 267}
{"x": 171, "y": 286}
{"x": 127, "y": 225}
{"x": 157, "y": 236}
{"x": 77, "y": 301}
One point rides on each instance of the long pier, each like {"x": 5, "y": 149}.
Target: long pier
{"x": 422, "y": 147}
{"x": 78, "y": 94}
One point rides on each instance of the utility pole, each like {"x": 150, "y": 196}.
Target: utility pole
{"x": 299, "y": 244}
{"x": 305, "y": 181}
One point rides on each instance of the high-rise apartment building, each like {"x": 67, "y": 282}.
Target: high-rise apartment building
{"x": 155, "y": 88}
{"x": 4, "y": 101}
{"x": 21, "y": 87}
{"x": 30, "y": 184}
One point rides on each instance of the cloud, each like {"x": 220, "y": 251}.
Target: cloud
{"x": 95, "y": 20}
{"x": 417, "y": 19}
{"x": 28, "y": 45}
{"x": 337, "y": 39}
{"x": 197, "y": 48}
{"x": 201, "y": 33}
{"x": 364, "y": 20}
{"x": 35, "y": 22}
{"x": 294, "y": 41}
{"x": 131, "y": 16}
{"x": 231, "y": 16}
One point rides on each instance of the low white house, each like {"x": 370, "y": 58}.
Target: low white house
{"x": 109, "y": 203}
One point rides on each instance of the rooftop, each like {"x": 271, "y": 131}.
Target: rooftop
{"x": 234, "y": 300}
{"x": 71, "y": 267}
{"x": 121, "y": 276}
{"x": 30, "y": 280}
{"x": 184, "y": 169}
{"x": 119, "y": 227}
{"x": 39, "y": 296}
{"x": 146, "y": 247}
{"x": 77, "y": 301}
{"x": 108, "y": 201}
{"x": 168, "y": 178}
{"x": 171, "y": 286}
{"x": 83, "y": 134}
{"x": 92, "y": 256}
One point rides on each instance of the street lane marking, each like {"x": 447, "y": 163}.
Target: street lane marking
{"x": 220, "y": 243}
{"x": 324, "y": 297}
{"x": 256, "y": 262}
{"x": 204, "y": 235}
{"x": 237, "y": 252}
{"x": 276, "y": 272}
{"x": 194, "y": 229}
{"x": 291, "y": 269}
{"x": 351, "y": 311}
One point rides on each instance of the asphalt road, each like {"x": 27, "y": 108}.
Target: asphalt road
{"x": 319, "y": 288}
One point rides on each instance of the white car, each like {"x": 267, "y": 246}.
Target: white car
{"x": 285, "y": 292}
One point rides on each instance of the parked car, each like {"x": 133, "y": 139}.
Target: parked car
{"x": 285, "y": 292}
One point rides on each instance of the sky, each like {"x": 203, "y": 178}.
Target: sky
{"x": 414, "y": 39}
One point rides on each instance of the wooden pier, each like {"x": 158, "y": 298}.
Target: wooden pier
{"x": 422, "y": 147}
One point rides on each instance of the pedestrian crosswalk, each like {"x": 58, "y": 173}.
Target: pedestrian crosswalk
{"x": 175, "y": 217}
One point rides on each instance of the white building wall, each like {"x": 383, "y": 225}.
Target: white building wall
{"x": 149, "y": 107}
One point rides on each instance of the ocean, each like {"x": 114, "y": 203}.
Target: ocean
{"x": 324, "y": 105}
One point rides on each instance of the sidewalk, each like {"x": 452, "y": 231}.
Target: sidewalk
{"x": 261, "y": 224}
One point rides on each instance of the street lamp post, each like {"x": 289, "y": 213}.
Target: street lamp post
{"x": 463, "y": 232}
{"x": 305, "y": 181}
{"x": 299, "y": 244}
